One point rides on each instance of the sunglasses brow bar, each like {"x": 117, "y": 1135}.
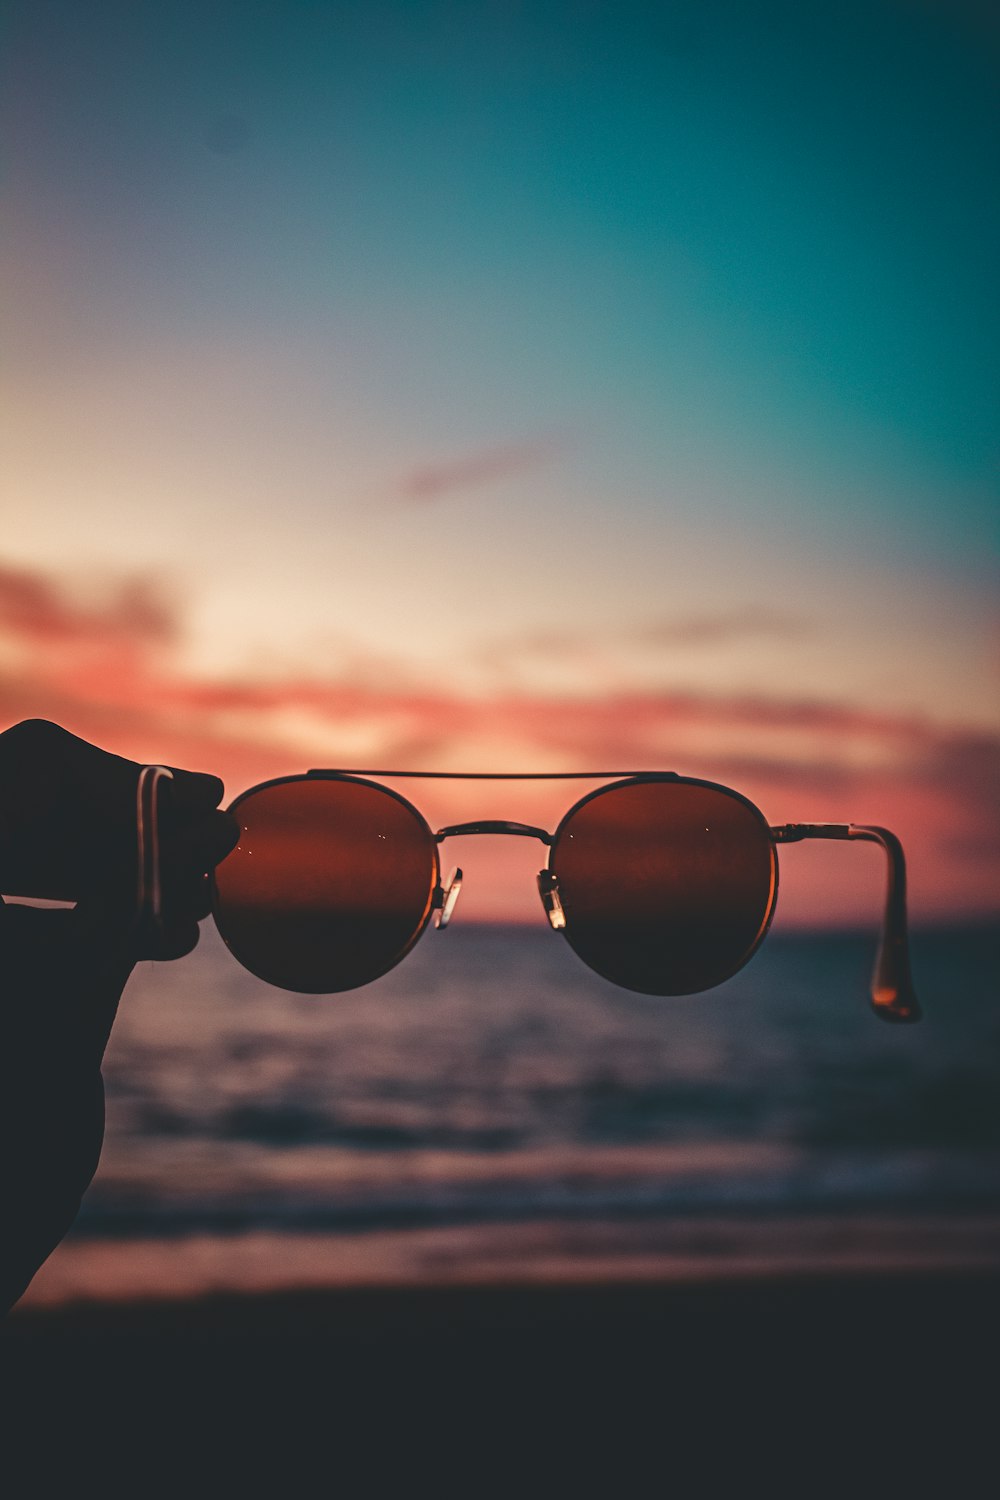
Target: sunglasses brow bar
{"x": 492, "y": 775}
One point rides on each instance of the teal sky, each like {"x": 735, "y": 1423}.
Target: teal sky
{"x": 791, "y": 208}
{"x": 580, "y": 315}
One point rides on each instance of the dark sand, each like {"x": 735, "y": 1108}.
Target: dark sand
{"x": 861, "y": 1381}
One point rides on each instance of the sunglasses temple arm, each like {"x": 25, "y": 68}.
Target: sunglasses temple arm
{"x": 892, "y": 992}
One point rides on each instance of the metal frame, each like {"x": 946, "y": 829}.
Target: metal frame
{"x": 892, "y": 992}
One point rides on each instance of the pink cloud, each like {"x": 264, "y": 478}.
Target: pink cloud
{"x": 473, "y": 470}
{"x": 44, "y": 611}
{"x": 107, "y": 668}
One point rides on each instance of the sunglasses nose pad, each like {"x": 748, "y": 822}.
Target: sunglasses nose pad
{"x": 548, "y": 889}
{"x": 446, "y": 897}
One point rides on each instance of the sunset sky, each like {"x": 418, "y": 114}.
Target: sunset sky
{"x": 512, "y": 386}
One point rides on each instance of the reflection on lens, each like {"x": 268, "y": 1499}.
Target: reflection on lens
{"x": 330, "y": 884}
{"x": 667, "y": 886}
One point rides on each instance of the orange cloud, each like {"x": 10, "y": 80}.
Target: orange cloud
{"x": 107, "y": 667}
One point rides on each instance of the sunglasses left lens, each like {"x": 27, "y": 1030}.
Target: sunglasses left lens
{"x": 329, "y": 886}
{"x": 667, "y": 886}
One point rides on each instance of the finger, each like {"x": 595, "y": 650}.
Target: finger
{"x": 187, "y": 896}
{"x": 200, "y": 845}
{"x": 199, "y": 903}
{"x": 195, "y": 791}
{"x": 177, "y": 940}
{"x": 195, "y": 849}
{"x": 180, "y": 939}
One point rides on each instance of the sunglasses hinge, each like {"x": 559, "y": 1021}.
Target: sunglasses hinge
{"x": 794, "y": 833}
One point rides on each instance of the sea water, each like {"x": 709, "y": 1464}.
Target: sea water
{"x": 492, "y": 1110}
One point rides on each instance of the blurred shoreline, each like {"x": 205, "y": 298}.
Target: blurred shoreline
{"x": 489, "y": 1113}
{"x": 705, "y": 1249}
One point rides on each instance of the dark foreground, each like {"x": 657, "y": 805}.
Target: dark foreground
{"x": 621, "y": 1389}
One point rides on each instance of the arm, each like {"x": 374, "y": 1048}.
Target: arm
{"x": 68, "y": 832}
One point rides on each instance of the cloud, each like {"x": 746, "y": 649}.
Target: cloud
{"x": 42, "y": 610}
{"x": 107, "y": 664}
{"x": 570, "y": 653}
{"x": 609, "y": 656}
{"x": 431, "y": 481}
{"x": 749, "y": 622}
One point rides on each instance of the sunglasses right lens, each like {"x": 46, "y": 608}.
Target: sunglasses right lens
{"x": 330, "y": 885}
{"x": 667, "y": 887}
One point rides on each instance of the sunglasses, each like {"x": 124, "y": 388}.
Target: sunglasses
{"x": 663, "y": 884}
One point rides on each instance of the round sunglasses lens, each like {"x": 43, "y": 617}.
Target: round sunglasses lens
{"x": 330, "y": 884}
{"x": 667, "y": 887}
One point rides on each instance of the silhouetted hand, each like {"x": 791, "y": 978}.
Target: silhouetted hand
{"x": 68, "y": 832}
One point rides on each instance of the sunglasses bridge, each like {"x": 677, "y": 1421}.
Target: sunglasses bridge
{"x": 446, "y": 896}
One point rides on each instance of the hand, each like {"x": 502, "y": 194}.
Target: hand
{"x": 68, "y": 831}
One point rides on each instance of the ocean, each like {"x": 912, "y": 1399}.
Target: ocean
{"x": 491, "y": 1111}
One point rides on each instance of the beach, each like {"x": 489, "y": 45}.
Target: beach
{"x": 493, "y": 1217}
{"x": 531, "y": 1389}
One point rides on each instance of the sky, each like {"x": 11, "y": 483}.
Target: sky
{"x": 516, "y": 386}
